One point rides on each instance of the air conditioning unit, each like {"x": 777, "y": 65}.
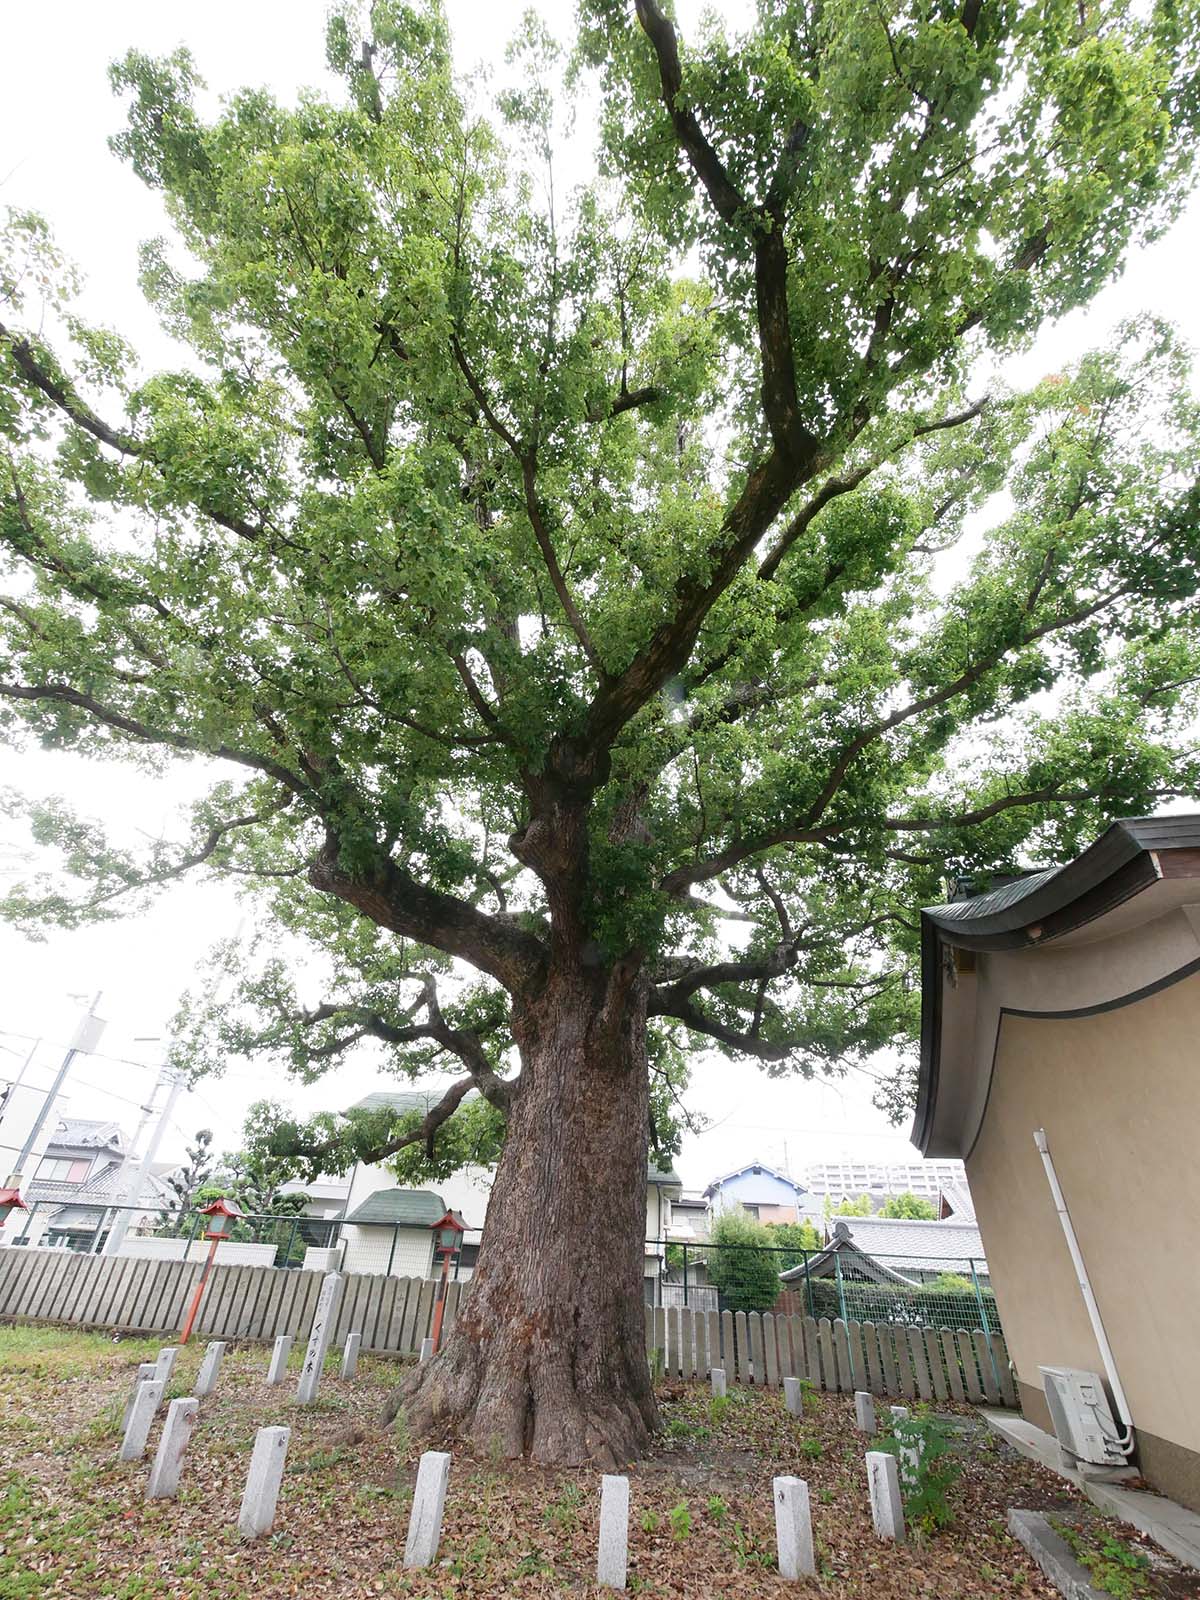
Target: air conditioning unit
{"x": 1082, "y": 1417}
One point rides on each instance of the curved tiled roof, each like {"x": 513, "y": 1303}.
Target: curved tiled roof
{"x": 87, "y": 1133}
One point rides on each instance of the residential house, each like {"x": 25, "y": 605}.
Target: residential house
{"x": 1060, "y": 1019}
{"x": 365, "y": 1208}
{"x": 391, "y": 1232}
{"x": 83, "y": 1174}
{"x": 689, "y": 1219}
{"x": 386, "y": 1228}
{"x": 760, "y": 1190}
{"x": 662, "y": 1190}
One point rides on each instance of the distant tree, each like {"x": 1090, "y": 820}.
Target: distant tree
{"x": 910, "y": 1207}
{"x": 797, "y": 1238}
{"x": 186, "y": 1182}
{"x": 253, "y": 1178}
{"x": 743, "y": 1268}
{"x": 254, "y": 1181}
{"x": 950, "y": 1283}
{"x": 854, "y": 1208}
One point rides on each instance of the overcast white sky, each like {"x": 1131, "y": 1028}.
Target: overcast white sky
{"x": 55, "y": 115}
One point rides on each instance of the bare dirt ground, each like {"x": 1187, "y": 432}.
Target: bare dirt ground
{"x": 74, "y": 1521}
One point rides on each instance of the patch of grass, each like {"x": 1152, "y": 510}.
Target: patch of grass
{"x": 320, "y": 1460}
{"x": 748, "y": 1550}
{"x": 563, "y": 1513}
{"x": 534, "y": 1564}
{"x": 28, "y": 1521}
{"x": 475, "y": 1558}
{"x": 101, "y": 1428}
{"x": 718, "y": 1408}
{"x": 1113, "y": 1564}
{"x": 811, "y": 1448}
{"x": 63, "y": 1353}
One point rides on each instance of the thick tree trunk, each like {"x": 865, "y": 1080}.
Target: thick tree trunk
{"x": 548, "y": 1355}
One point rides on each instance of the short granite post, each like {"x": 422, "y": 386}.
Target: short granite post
{"x": 899, "y": 1413}
{"x": 168, "y": 1462}
{"x": 864, "y": 1411}
{"x": 887, "y": 1508}
{"x": 262, "y": 1483}
{"x": 613, "y": 1554}
{"x": 429, "y": 1501}
{"x": 210, "y": 1367}
{"x": 324, "y": 1318}
{"x": 793, "y": 1529}
{"x": 718, "y": 1382}
{"x": 137, "y": 1429}
{"x": 350, "y": 1354}
{"x": 792, "y": 1396}
{"x": 145, "y": 1374}
{"x": 165, "y": 1365}
{"x": 426, "y": 1349}
{"x": 277, "y": 1371}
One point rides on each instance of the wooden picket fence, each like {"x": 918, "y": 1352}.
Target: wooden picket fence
{"x": 763, "y": 1349}
{"x": 393, "y": 1315}
{"x": 145, "y": 1296}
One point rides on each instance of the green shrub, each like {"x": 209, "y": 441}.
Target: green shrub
{"x": 955, "y": 1305}
{"x": 921, "y": 1445}
{"x": 950, "y": 1283}
{"x": 745, "y": 1269}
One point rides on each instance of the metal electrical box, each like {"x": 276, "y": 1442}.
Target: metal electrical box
{"x": 1082, "y": 1417}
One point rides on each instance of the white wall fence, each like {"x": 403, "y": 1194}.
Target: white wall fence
{"x": 394, "y": 1314}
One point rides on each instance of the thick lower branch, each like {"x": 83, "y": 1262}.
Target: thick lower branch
{"x": 393, "y": 898}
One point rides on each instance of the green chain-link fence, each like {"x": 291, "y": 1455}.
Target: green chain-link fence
{"x": 909, "y": 1291}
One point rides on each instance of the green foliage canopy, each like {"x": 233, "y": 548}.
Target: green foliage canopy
{"x": 913, "y": 1207}
{"x": 573, "y": 572}
{"x": 794, "y": 1239}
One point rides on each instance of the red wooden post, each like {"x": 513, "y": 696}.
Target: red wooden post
{"x": 222, "y": 1214}
{"x": 447, "y": 1232}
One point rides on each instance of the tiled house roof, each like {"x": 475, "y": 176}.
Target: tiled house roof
{"x": 925, "y": 1246}
{"x": 412, "y": 1208}
{"x": 86, "y": 1133}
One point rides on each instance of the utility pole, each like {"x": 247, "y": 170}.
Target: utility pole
{"x": 9, "y": 1088}
{"x": 130, "y": 1190}
{"x": 87, "y": 1036}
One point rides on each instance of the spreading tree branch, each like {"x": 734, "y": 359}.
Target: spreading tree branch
{"x": 392, "y": 898}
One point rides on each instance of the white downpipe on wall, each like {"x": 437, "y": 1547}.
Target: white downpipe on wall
{"x": 1085, "y": 1286}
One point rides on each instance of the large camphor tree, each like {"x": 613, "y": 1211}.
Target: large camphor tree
{"x": 579, "y": 580}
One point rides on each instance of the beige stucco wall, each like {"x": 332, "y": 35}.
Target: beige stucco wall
{"x": 1118, "y": 1094}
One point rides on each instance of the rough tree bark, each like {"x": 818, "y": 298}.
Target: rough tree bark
{"x": 548, "y": 1355}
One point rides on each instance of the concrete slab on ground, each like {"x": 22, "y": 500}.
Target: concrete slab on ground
{"x": 1170, "y": 1525}
{"x": 1053, "y": 1554}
